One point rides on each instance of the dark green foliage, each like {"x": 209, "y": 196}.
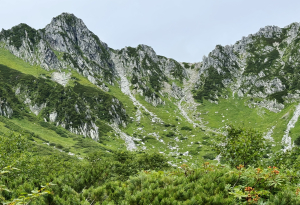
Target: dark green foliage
{"x": 186, "y": 65}
{"x": 155, "y": 82}
{"x": 177, "y": 71}
{"x": 156, "y": 77}
{"x": 147, "y": 138}
{"x": 204, "y": 142}
{"x": 70, "y": 20}
{"x": 123, "y": 156}
{"x": 126, "y": 177}
{"x": 11, "y": 148}
{"x": 241, "y": 146}
{"x": 257, "y": 63}
{"x": 134, "y": 79}
{"x": 278, "y": 96}
{"x": 170, "y": 134}
{"x": 209, "y": 156}
{"x": 88, "y": 145}
{"x": 288, "y": 159}
{"x": 69, "y": 103}
{"x": 103, "y": 128}
{"x": 52, "y": 144}
{"x": 186, "y": 128}
{"x": 193, "y": 152}
{"x": 293, "y": 72}
{"x": 7, "y": 94}
{"x": 177, "y": 187}
{"x": 99, "y": 101}
{"x": 206, "y": 137}
{"x": 59, "y": 146}
{"x": 152, "y": 161}
{"x": 66, "y": 149}
{"x": 13, "y": 127}
{"x": 58, "y": 130}
{"x": 183, "y": 138}
{"x": 297, "y": 141}
{"x": 132, "y": 52}
{"x": 69, "y": 57}
{"x": 211, "y": 87}
{"x": 169, "y": 125}
{"x": 130, "y": 163}
{"x": 70, "y": 175}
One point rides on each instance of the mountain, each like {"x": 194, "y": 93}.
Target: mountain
{"x": 63, "y": 76}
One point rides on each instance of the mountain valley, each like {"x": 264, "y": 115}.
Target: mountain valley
{"x": 69, "y": 93}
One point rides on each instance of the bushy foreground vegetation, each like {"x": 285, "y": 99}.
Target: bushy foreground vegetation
{"x": 121, "y": 177}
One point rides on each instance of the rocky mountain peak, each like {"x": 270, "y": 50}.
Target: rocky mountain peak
{"x": 149, "y": 51}
{"x": 66, "y": 30}
{"x": 66, "y": 19}
{"x": 269, "y": 32}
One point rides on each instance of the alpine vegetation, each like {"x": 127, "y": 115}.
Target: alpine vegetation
{"x": 83, "y": 123}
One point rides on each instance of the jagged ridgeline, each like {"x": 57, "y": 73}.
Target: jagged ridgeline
{"x": 66, "y": 47}
{"x": 67, "y": 43}
{"x": 263, "y": 66}
{"x": 80, "y": 83}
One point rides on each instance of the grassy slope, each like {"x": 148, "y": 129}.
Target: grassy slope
{"x": 11, "y": 61}
{"x": 7, "y": 59}
{"x": 75, "y": 144}
{"x": 169, "y": 113}
{"x": 236, "y": 112}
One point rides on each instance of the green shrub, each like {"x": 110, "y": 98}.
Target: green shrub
{"x": 147, "y": 138}
{"x": 210, "y": 156}
{"x": 241, "y": 146}
{"x": 59, "y": 146}
{"x": 170, "y": 134}
{"x": 186, "y": 128}
{"x": 297, "y": 141}
{"x": 66, "y": 149}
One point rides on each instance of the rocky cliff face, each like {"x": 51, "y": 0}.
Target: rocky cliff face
{"x": 5, "y": 109}
{"x": 262, "y": 66}
{"x": 66, "y": 43}
{"x": 147, "y": 71}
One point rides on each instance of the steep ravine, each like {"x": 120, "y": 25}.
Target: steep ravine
{"x": 125, "y": 88}
{"x": 287, "y": 140}
{"x": 188, "y": 96}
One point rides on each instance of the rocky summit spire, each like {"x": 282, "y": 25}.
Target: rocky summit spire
{"x": 66, "y": 30}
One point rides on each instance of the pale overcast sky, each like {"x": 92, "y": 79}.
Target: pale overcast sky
{"x": 181, "y": 29}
